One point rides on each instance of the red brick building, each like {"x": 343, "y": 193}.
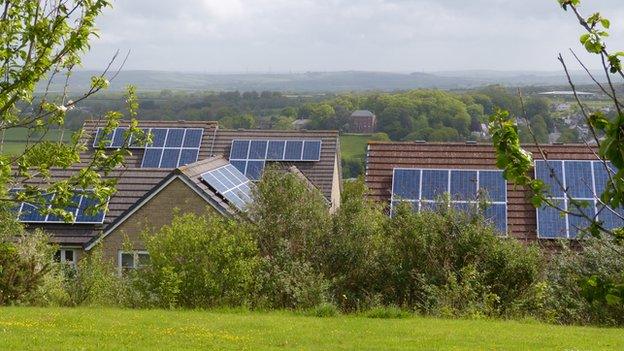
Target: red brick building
{"x": 362, "y": 121}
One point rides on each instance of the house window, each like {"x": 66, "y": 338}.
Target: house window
{"x": 132, "y": 260}
{"x": 66, "y": 256}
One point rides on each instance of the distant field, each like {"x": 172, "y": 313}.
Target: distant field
{"x": 353, "y": 146}
{"x": 24, "y": 328}
{"x": 15, "y": 139}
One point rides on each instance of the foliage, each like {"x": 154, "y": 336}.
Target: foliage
{"x": 24, "y": 264}
{"x": 200, "y": 261}
{"x": 607, "y": 135}
{"x": 39, "y": 41}
{"x": 454, "y": 261}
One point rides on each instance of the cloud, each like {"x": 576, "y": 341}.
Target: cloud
{"x": 388, "y": 35}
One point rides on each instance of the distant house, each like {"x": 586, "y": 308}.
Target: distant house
{"x": 189, "y": 167}
{"x": 362, "y": 121}
{"x": 300, "y": 124}
{"x": 419, "y": 173}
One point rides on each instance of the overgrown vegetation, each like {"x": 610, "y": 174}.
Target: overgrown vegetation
{"x": 292, "y": 253}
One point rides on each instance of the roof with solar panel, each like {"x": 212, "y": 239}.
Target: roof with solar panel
{"x": 417, "y": 173}
{"x": 220, "y": 164}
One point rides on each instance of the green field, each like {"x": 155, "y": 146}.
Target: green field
{"x": 23, "y": 328}
{"x": 15, "y": 139}
{"x": 353, "y": 146}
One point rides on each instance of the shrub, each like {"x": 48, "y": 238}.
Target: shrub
{"x": 200, "y": 261}
{"x": 453, "y": 261}
{"x": 24, "y": 265}
{"x": 352, "y": 250}
{"x": 564, "y": 300}
{"x": 323, "y": 310}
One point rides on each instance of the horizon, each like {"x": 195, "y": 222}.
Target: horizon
{"x": 394, "y": 36}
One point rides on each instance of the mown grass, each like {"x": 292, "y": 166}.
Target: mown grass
{"x": 116, "y": 329}
{"x": 353, "y": 146}
{"x": 15, "y": 139}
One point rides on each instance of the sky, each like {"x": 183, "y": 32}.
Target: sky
{"x": 259, "y": 36}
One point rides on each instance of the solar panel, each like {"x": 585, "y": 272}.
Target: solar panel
{"x": 584, "y": 180}
{"x": 250, "y": 156}
{"x": 231, "y": 184}
{"x": 169, "y": 148}
{"x": 82, "y": 206}
{"x": 422, "y": 188}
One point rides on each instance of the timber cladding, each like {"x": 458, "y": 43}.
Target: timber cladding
{"x": 383, "y": 157}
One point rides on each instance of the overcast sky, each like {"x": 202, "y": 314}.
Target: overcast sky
{"x": 333, "y": 35}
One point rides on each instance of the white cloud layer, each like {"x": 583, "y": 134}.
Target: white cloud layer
{"x": 330, "y": 35}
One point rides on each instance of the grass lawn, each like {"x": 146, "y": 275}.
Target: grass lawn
{"x": 353, "y": 146}
{"x": 15, "y": 139}
{"x": 24, "y": 328}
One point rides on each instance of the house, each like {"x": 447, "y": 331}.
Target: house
{"x": 362, "y": 121}
{"x": 300, "y": 124}
{"x": 189, "y": 167}
{"x": 419, "y": 173}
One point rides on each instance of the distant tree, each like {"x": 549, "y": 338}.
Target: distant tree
{"x": 246, "y": 121}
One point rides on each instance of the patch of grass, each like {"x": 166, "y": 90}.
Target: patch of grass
{"x": 15, "y": 139}
{"x": 24, "y": 328}
{"x": 390, "y": 312}
{"x": 323, "y": 310}
{"x": 353, "y": 146}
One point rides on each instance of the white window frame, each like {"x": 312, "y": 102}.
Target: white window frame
{"x": 135, "y": 259}
{"x": 63, "y": 256}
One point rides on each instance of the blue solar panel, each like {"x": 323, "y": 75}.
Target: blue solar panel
{"x": 276, "y": 150}
{"x": 544, "y": 171}
{"x": 293, "y": 150}
{"x": 193, "y": 137}
{"x": 463, "y": 185}
{"x": 158, "y": 137}
{"x": 174, "y": 137}
{"x": 406, "y": 184}
{"x": 578, "y": 223}
{"x": 231, "y": 184}
{"x": 239, "y": 150}
{"x": 311, "y": 150}
{"x": 423, "y": 188}
{"x": 257, "y": 150}
{"x": 493, "y": 184}
{"x": 170, "y": 158}
{"x": 550, "y": 223}
{"x": 80, "y": 203}
{"x": 254, "y": 169}
{"x": 579, "y": 182}
{"x": 497, "y": 214}
{"x": 119, "y": 137}
{"x": 584, "y": 180}
{"x": 611, "y": 218}
{"x": 434, "y": 184}
{"x": 151, "y": 158}
{"x": 108, "y": 138}
{"x": 249, "y": 156}
{"x": 188, "y": 156}
{"x": 86, "y": 211}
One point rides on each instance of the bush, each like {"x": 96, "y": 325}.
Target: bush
{"x": 200, "y": 261}
{"x": 452, "y": 262}
{"x": 24, "y": 265}
{"x": 561, "y": 298}
{"x": 323, "y": 310}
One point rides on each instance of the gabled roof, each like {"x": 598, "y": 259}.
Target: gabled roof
{"x": 191, "y": 176}
{"x": 383, "y": 157}
{"x": 362, "y": 113}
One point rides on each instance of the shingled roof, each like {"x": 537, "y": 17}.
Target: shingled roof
{"x": 383, "y": 157}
